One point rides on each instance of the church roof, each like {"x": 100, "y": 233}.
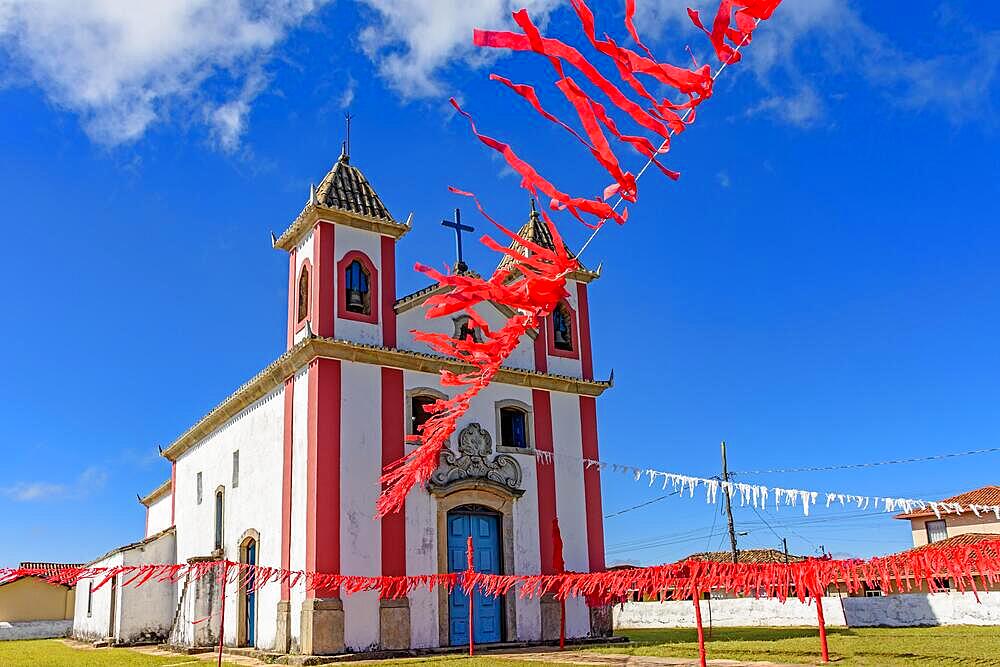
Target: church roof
{"x": 346, "y": 188}
{"x": 536, "y": 231}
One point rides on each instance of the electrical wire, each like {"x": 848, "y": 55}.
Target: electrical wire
{"x": 640, "y": 505}
{"x": 851, "y": 466}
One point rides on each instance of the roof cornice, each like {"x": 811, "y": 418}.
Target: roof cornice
{"x": 329, "y": 348}
{"x": 156, "y": 494}
{"x": 314, "y": 213}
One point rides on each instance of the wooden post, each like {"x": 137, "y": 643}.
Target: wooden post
{"x": 822, "y": 629}
{"x": 471, "y": 594}
{"x": 222, "y": 614}
{"x": 701, "y": 630}
{"x": 729, "y": 505}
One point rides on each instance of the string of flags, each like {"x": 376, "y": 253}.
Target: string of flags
{"x": 760, "y": 496}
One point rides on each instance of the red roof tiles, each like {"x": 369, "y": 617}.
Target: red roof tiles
{"x": 987, "y": 495}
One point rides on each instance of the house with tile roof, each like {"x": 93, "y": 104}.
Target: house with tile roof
{"x": 953, "y": 527}
{"x": 284, "y": 472}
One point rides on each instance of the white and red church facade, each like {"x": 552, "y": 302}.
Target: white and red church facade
{"x": 285, "y": 471}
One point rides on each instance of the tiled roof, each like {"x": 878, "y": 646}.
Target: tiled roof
{"x": 426, "y": 291}
{"x": 987, "y": 495}
{"x": 47, "y": 568}
{"x": 746, "y": 556}
{"x": 965, "y": 539}
{"x": 534, "y": 230}
{"x": 347, "y": 189}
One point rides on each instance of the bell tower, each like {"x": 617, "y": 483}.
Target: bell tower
{"x": 342, "y": 261}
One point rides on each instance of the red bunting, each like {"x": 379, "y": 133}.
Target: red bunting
{"x": 538, "y": 281}
{"x": 970, "y": 567}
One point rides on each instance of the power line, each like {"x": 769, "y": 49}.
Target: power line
{"x": 640, "y": 505}
{"x": 848, "y": 466}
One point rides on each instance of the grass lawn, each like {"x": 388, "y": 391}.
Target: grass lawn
{"x": 54, "y": 653}
{"x": 953, "y": 645}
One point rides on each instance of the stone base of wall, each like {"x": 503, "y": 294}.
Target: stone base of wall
{"x": 34, "y": 629}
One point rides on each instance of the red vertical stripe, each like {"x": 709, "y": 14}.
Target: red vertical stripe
{"x": 286, "y": 484}
{"x": 541, "y": 361}
{"x": 173, "y": 491}
{"x": 583, "y": 315}
{"x": 324, "y": 263}
{"x": 388, "y": 291}
{"x": 293, "y": 292}
{"x": 394, "y": 524}
{"x": 546, "y": 474}
{"x": 592, "y": 485}
{"x": 323, "y": 473}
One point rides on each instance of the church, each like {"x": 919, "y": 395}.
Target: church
{"x": 285, "y": 471}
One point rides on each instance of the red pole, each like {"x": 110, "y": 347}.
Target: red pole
{"x": 469, "y": 559}
{"x": 701, "y": 630}
{"x": 822, "y": 628}
{"x": 222, "y": 615}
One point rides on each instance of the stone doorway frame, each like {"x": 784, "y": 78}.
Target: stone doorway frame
{"x": 492, "y": 497}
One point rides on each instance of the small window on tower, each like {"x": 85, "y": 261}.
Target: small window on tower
{"x": 236, "y": 468}
{"x": 303, "y": 309}
{"x": 356, "y": 283}
{"x": 219, "y": 507}
{"x": 562, "y": 328}
{"x": 513, "y": 428}
{"x": 198, "y": 486}
{"x": 418, "y": 412}
{"x": 465, "y": 329}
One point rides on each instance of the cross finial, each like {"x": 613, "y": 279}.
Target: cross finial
{"x": 347, "y": 138}
{"x": 457, "y": 225}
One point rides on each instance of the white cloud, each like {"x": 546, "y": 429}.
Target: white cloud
{"x": 124, "y": 65}
{"x": 90, "y": 480}
{"x": 411, "y": 40}
{"x": 958, "y": 84}
{"x": 723, "y": 178}
{"x": 347, "y": 97}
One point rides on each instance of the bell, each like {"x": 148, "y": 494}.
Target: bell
{"x": 561, "y": 338}
{"x": 355, "y": 300}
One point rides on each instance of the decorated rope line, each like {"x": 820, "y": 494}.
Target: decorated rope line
{"x": 760, "y": 495}
{"x": 537, "y": 283}
{"x": 903, "y": 572}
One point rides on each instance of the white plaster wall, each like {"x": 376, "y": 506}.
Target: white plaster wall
{"x": 95, "y": 625}
{"x": 729, "y": 612}
{"x": 360, "y": 469}
{"x": 571, "y": 506}
{"x": 414, "y": 318}
{"x": 422, "y": 558}
{"x": 300, "y": 452}
{"x": 257, "y": 433}
{"x": 148, "y": 610}
{"x": 526, "y": 550}
{"x": 347, "y": 239}
{"x": 158, "y": 516}
{"x": 916, "y": 609}
{"x": 34, "y": 629}
{"x": 563, "y": 365}
{"x": 956, "y": 525}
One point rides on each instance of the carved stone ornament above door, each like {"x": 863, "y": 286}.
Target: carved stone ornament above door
{"x": 473, "y": 463}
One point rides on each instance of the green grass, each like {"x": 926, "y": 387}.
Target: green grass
{"x": 54, "y": 653}
{"x": 885, "y": 647}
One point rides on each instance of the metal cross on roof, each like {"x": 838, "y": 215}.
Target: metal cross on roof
{"x": 457, "y": 225}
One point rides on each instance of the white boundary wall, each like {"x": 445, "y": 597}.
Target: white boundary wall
{"x": 906, "y": 610}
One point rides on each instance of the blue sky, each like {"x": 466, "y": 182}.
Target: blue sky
{"x": 820, "y": 287}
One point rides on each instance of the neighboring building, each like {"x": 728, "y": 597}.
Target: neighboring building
{"x": 116, "y": 614}
{"x": 928, "y": 528}
{"x": 35, "y": 599}
{"x": 285, "y": 471}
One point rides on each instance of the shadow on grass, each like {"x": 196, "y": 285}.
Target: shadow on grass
{"x": 645, "y": 636}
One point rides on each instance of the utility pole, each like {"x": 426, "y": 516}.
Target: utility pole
{"x": 729, "y": 505}
{"x": 784, "y": 543}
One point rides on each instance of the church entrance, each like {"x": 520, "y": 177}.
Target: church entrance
{"x": 248, "y": 596}
{"x": 484, "y": 526}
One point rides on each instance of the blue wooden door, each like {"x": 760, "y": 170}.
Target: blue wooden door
{"x": 251, "y": 617}
{"x": 487, "y": 611}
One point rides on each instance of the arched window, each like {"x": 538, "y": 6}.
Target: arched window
{"x": 358, "y": 295}
{"x": 513, "y": 426}
{"x": 219, "y": 508}
{"x": 417, "y": 401}
{"x": 562, "y": 328}
{"x": 465, "y": 329}
{"x": 303, "y": 307}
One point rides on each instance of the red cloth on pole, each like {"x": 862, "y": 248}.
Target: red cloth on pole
{"x": 822, "y": 629}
